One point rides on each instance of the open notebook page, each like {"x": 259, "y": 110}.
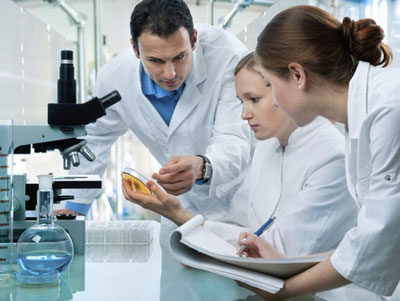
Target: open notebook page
{"x": 195, "y": 236}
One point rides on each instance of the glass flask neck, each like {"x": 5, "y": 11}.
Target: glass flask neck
{"x": 45, "y": 207}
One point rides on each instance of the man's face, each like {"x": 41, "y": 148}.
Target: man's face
{"x": 167, "y": 61}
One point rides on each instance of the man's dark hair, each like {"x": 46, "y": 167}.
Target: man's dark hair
{"x": 160, "y": 17}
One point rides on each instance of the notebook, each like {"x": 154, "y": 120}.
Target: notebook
{"x": 195, "y": 246}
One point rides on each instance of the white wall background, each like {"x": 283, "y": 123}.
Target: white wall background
{"x": 116, "y": 17}
{"x": 29, "y": 50}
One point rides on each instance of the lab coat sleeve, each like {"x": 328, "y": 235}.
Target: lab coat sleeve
{"x": 316, "y": 220}
{"x": 101, "y": 135}
{"x": 229, "y": 150}
{"x": 369, "y": 253}
{"x": 236, "y": 219}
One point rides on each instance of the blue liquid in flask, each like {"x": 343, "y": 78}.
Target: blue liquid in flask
{"x": 44, "y": 264}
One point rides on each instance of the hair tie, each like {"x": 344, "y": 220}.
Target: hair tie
{"x": 349, "y": 29}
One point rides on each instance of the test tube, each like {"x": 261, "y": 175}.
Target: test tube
{"x": 6, "y": 199}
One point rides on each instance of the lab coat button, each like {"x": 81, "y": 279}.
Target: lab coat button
{"x": 388, "y": 178}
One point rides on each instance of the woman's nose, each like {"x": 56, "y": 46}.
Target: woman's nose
{"x": 275, "y": 103}
{"x": 246, "y": 114}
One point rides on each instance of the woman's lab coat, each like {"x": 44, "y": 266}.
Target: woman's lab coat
{"x": 303, "y": 185}
{"x": 206, "y": 120}
{"x": 369, "y": 254}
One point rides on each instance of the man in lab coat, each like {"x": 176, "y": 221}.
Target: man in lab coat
{"x": 178, "y": 97}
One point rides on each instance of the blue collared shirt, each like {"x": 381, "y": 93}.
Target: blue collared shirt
{"x": 164, "y": 102}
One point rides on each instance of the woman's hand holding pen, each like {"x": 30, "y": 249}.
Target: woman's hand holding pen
{"x": 257, "y": 247}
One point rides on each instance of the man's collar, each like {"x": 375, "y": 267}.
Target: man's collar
{"x": 149, "y": 87}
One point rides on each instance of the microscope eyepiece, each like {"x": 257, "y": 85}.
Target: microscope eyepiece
{"x": 66, "y": 111}
{"x": 66, "y": 86}
{"x": 66, "y": 55}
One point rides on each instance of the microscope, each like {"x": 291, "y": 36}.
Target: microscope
{"x": 66, "y": 123}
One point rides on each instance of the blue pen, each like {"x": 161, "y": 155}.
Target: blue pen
{"x": 260, "y": 231}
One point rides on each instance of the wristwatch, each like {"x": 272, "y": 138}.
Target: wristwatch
{"x": 207, "y": 171}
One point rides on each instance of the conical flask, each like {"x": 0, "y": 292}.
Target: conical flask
{"x": 44, "y": 250}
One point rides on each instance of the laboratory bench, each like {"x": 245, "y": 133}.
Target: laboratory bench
{"x": 145, "y": 272}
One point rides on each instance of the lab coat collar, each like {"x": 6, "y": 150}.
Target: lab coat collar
{"x": 147, "y": 109}
{"x": 198, "y": 74}
{"x": 275, "y": 144}
{"x": 191, "y": 95}
{"x": 296, "y": 138}
{"x": 293, "y": 141}
{"x": 357, "y": 102}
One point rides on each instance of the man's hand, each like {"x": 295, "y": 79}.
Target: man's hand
{"x": 257, "y": 247}
{"x": 160, "y": 202}
{"x": 65, "y": 211}
{"x": 179, "y": 174}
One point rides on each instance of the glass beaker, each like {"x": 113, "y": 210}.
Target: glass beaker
{"x": 44, "y": 250}
{"x": 6, "y": 199}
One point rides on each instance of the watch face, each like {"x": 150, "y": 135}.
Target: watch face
{"x": 207, "y": 172}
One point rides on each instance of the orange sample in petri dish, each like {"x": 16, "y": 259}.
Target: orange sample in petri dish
{"x": 138, "y": 181}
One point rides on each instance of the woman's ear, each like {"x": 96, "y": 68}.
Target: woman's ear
{"x": 298, "y": 74}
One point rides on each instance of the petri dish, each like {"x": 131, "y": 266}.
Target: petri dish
{"x": 138, "y": 180}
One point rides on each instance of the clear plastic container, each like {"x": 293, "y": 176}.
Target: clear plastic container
{"x": 118, "y": 241}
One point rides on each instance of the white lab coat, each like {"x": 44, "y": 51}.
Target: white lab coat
{"x": 206, "y": 121}
{"x": 369, "y": 253}
{"x": 304, "y": 186}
